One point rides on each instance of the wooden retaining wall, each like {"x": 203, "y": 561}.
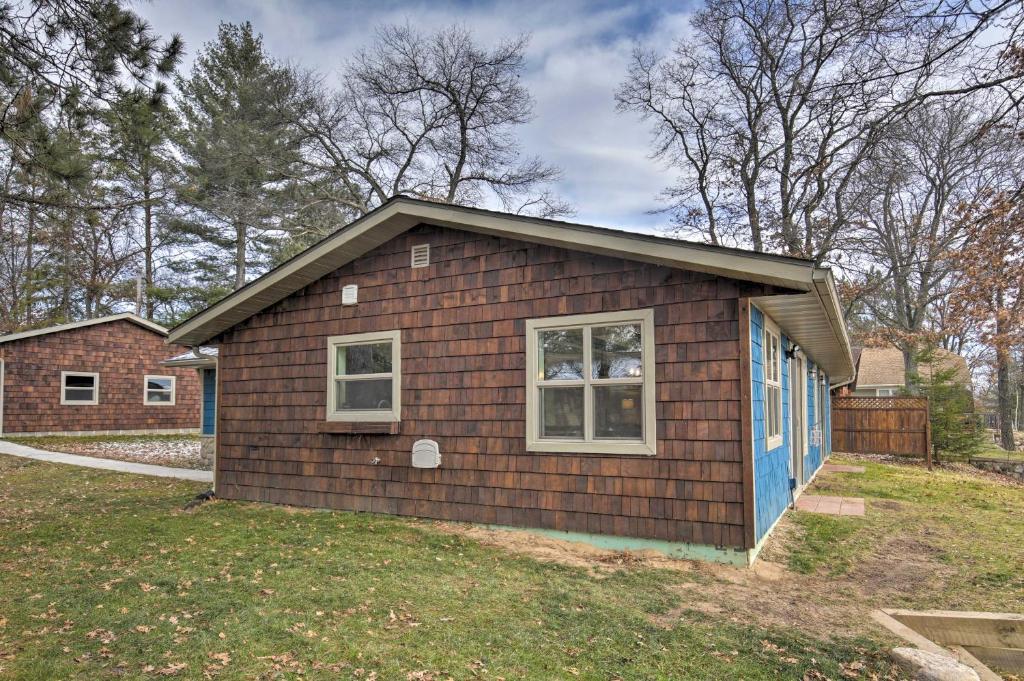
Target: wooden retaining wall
{"x": 881, "y": 425}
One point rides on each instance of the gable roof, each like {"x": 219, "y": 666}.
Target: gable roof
{"x": 814, "y": 311}
{"x": 883, "y": 367}
{"x": 125, "y": 316}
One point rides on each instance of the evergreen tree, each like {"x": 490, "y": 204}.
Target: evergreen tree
{"x": 143, "y": 163}
{"x": 240, "y": 147}
{"x": 956, "y": 429}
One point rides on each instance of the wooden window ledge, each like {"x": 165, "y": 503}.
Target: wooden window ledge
{"x": 359, "y": 427}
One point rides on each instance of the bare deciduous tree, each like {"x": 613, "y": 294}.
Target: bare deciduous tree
{"x": 432, "y": 116}
{"x": 942, "y": 155}
{"x": 772, "y": 106}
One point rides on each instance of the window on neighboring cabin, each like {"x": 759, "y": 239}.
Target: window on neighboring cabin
{"x": 159, "y": 390}
{"x": 79, "y": 387}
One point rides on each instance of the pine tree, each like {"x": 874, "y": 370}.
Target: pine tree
{"x": 240, "y": 147}
{"x": 143, "y": 164}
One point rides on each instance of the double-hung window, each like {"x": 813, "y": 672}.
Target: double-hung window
{"x": 590, "y": 383}
{"x": 772, "y": 350}
{"x": 159, "y": 390}
{"x": 79, "y": 387}
{"x": 364, "y": 379}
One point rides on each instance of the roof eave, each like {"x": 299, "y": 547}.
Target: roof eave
{"x": 815, "y": 322}
{"x": 399, "y": 215}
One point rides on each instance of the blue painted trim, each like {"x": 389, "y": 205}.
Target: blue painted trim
{"x": 774, "y": 468}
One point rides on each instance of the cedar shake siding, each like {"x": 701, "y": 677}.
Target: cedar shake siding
{"x": 463, "y": 383}
{"x": 122, "y": 353}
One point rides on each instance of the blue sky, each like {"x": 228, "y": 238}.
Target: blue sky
{"x": 577, "y": 56}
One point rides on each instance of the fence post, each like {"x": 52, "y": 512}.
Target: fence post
{"x": 928, "y": 430}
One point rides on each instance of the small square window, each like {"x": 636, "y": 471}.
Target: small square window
{"x": 159, "y": 390}
{"x": 79, "y": 388}
{"x": 364, "y": 377}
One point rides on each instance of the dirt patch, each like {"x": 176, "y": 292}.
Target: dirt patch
{"x": 574, "y": 554}
{"x": 768, "y": 594}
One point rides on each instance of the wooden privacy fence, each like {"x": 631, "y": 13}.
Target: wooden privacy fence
{"x": 881, "y": 425}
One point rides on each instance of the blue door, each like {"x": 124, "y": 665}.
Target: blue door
{"x": 209, "y": 401}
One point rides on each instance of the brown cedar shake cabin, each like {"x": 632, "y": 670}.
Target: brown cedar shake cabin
{"x": 98, "y": 376}
{"x": 446, "y": 362}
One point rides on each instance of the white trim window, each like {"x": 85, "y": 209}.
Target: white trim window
{"x": 590, "y": 384}
{"x": 772, "y": 351}
{"x": 887, "y": 392}
{"x": 79, "y": 387}
{"x": 159, "y": 390}
{"x": 364, "y": 377}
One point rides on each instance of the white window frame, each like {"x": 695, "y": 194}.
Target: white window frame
{"x": 393, "y": 414}
{"x": 886, "y": 392}
{"x": 648, "y": 445}
{"x": 146, "y": 390}
{"x": 772, "y": 331}
{"x": 95, "y": 388}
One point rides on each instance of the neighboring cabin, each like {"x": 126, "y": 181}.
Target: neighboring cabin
{"x": 628, "y": 390}
{"x": 881, "y": 371}
{"x": 204, "y": 361}
{"x": 99, "y": 376}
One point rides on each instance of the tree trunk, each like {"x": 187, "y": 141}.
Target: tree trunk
{"x": 240, "y": 235}
{"x": 909, "y": 369}
{"x": 148, "y": 254}
{"x": 1005, "y": 399}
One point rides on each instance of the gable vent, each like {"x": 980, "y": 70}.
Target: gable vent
{"x": 421, "y": 255}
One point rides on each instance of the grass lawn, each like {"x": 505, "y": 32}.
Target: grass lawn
{"x": 103, "y": 576}
{"x": 950, "y": 539}
{"x": 992, "y": 450}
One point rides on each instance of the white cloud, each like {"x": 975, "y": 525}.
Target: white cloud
{"x": 578, "y": 54}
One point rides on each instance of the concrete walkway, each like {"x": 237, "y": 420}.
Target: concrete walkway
{"x": 107, "y": 464}
{"x": 827, "y": 505}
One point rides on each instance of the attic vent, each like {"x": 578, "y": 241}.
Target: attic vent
{"x": 349, "y": 294}
{"x": 421, "y": 255}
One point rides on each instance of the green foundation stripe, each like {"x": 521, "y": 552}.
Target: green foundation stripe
{"x": 683, "y": 550}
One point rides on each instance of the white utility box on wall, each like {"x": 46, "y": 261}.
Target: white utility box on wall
{"x": 425, "y": 454}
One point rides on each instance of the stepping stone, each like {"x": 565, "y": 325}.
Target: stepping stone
{"x": 841, "y": 468}
{"x": 827, "y": 505}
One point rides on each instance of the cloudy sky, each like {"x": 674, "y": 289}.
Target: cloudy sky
{"x": 577, "y": 56}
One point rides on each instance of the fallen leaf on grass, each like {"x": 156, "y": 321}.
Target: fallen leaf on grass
{"x": 104, "y": 635}
{"x": 172, "y": 669}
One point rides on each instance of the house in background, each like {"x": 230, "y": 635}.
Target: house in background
{"x": 454, "y": 363}
{"x": 204, "y": 361}
{"x": 99, "y": 376}
{"x": 881, "y": 371}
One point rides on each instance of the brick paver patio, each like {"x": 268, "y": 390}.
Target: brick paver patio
{"x": 814, "y": 503}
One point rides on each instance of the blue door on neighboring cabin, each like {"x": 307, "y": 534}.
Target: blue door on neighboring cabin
{"x": 209, "y": 401}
